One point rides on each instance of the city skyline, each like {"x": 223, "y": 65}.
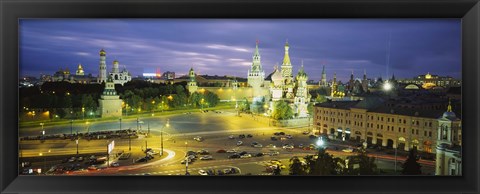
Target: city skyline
{"x": 225, "y": 47}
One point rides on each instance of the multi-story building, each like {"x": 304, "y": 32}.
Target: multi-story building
{"x": 400, "y": 123}
{"x": 429, "y": 81}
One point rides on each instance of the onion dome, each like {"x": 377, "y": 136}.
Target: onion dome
{"x": 103, "y": 53}
{"x": 301, "y": 75}
{"x": 115, "y": 62}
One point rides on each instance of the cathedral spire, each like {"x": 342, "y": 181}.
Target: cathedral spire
{"x": 286, "y": 58}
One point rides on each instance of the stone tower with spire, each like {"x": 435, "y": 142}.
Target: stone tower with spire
{"x": 334, "y": 85}
{"x": 365, "y": 81}
{"x": 192, "y": 83}
{"x": 256, "y": 75}
{"x": 79, "y": 70}
{"x": 110, "y": 104}
{"x": 323, "y": 80}
{"x": 102, "y": 74}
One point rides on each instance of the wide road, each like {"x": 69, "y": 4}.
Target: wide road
{"x": 178, "y": 138}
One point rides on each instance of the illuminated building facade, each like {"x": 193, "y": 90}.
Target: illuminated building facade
{"x": 396, "y": 123}
{"x": 429, "y": 81}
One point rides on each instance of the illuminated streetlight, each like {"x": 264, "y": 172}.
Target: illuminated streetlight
{"x": 320, "y": 142}
{"x": 83, "y": 113}
{"x": 387, "y": 86}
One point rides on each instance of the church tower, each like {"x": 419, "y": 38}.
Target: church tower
{"x": 365, "y": 81}
{"x": 323, "y": 81}
{"x": 115, "y": 68}
{"x": 448, "y": 150}
{"x": 79, "y": 70}
{"x": 301, "y": 97}
{"x": 287, "y": 73}
{"x": 102, "y": 75}
{"x": 334, "y": 85}
{"x": 192, "y": 83}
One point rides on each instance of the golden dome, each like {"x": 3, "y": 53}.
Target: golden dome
{"x": 103, "y": 53}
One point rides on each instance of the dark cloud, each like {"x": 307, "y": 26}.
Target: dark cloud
{"x": 221, "y": 46}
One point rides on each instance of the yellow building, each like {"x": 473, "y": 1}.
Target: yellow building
{"x": 398, "y": 124}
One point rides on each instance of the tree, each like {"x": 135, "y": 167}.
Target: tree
{"x": 296, "y": 167}
{"x": 320, "y": 99}
{"x": 310, "y": 108}
{"x": 244, "y": 106}
{"x": 366, "y": 164}
{"x": 282, "y": 110}
{"x": 411, "y": 165}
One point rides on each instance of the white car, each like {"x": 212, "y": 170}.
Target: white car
{"x": 239, "y": 143}
{"x": 198, "y": 138}
{"x": 207, "y": 157}
{"x": 289, "y": 136}
{"x": 115, "y": 164}
{"x": 231, "y": 137}
{"x": 202, "y": 172}
{"x": 232, "y": 151}
{"x": 348, "y": 150}
{"x": 258, "y": 145}
{"x": 246, "y": 156}
{"x": 273, "y": 153}
{"x": 288, "y": 147}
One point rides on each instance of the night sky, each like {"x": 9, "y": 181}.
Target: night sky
{"x": 225, "y": 46}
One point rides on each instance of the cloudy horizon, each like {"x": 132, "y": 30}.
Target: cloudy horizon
{"x": 382, "y": 47}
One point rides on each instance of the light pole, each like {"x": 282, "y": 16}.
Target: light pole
{"x": 76, "y": 141}
{"x": 83, "y": 113}
{"x": 71, "y": 127}
{"x": 161, "y": 137}
{"x": 120, "y": 120}
{"x": 153, "y": 107}
{"x": 43, "y": 131}
{"x": 148, "y": 129}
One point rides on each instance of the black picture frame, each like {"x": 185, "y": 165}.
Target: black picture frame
{"x": 11, "y": 11}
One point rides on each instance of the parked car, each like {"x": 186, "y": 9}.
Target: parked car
{"x": 305, "y": 132}
{"x": 239, "y": 143}
{"x": 249, "y": 136}
{"x": 202, "y": 172}
{"x": 289, "y": 136}
{"x": 231, "y": 137}
{"x": 271, "y": 146}
{"x": 258, "y": 145}
{"x": 241, "y": 136}
{"x": 300, "y": 146}
{"x": 246, "y": 156}
{"x": 221, "y": 151}
{"x": 232, "y": 151}
{"x": 203, "y": 152}
{"x": 242, "y": 153}
{"x": 198, "y": 138}
{"x": 80, "y": 159}
{"x": 259, "y": 154}
{"x": 288, "y": 147}
{"x": 273, "y": 153}
{"x": 207, "y": 157}
{"x": 234, "y": 156}
{"x": 273, "y": 138}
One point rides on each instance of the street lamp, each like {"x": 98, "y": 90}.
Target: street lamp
{"x": 387, "y": 86}
{"x": 161, "y": 137}
{"x": 71, "y": 127}
{"x": 320, "y": 142}
{"x": 83, "y": 113}
{"x": 76, "y": 141}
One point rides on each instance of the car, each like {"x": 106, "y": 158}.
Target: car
{"x": 242, "y": 153}
{"x": 149, "y": 157}
{"x": 211, "y": 172}
{"x": 191, "y": 157}
{"x": 259, "y": 154}
{"x": 26, "y": 164}
{"x": 221, "y": 151}
{"x": 92, "y": 167}
{"x": 273, "y": 138}
{"x": 348, "y": 150}
{"x": 283, "y": 138}
{"x": 202, "y": 172}
{"x": 220, "y": 172}
{"x": 276, "y": 133}
{"x": 92, "y": 157}
{"x": 271, "y": 146}
{"x": 258, "y": 145}
{"x": 229, "y": 171}
{"x": 305, "y": 132}
{"x": 198, "y": 138}
{"x": 239, "y": 143}
{"x": 249, "y": 136}
{"x": 289, "y": 136}
{"x": 233, "y": 156}
{"x": 115, "y": 164}
{"x": 246, "y": 156}
{"x": 206, "y": 157}
{"x": 281, "y": 133}
{"x": 241, "y": 136}
{"x": 232, "y": 151}
{"x": 191, "y": 153}
{"x": 231, "y": 137}
{"x": 288, "y": 147}
{"x": 203, "y": 152}
{"x": 300, "y": 146}
{"x": 273, "y": 153}
{"x": 80, "y": 159}
{"x": 141, "y": 160}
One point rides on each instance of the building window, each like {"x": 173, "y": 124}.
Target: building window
{"x": 425, "y": 133}
{"x": 429, "y": 134}
{"x": 413, "y": 131}
{"x": 417, "y": 131}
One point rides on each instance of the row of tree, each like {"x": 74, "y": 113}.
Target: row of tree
{"x": 324, "y": 163}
